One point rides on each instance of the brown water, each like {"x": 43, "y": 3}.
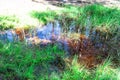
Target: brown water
{"x": 87, "y": 45}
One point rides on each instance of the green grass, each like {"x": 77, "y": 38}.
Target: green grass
{"x": 20, "y": 62}
{"x": 44, "y": 17}
{"x": 8, "y": 22}
{"x": 102, "y": 72}
{"x": 100, "y": 16}
{"x": 106, "y": 72}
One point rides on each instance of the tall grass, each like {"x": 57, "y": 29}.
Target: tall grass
{"x": 18, "y": 62}
{"x": 79, "y": 72}
{"x": 101, "y": 16}
{"x": 105, "y": 71}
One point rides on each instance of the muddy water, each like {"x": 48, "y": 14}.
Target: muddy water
{"x": 50, "y": 32}
{"x": 85, "y": 45}
{"x": 8, "y": 36}
{"x": 53, "y": 31}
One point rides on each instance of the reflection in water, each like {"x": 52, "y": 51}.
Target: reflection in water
{"x": 3, "y": 36}
{"x": 41, "y": 33}
{"x": 47, "y": 31}
{"x": 57, "y": 29}
{"x": 10, "y": 36}
{"x": 87, "y": 32}
{"x": 72, "y": 27}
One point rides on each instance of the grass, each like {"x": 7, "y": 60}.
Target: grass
{"x": 20, "y": 62}
{"x": 102, "y": 72}
{"x": 100, "y": 16}
{"x": 8, "y": 22}
{"x": 44, "y": 17}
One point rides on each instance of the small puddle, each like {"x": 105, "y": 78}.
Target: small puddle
{"x": 73, "y": 42}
